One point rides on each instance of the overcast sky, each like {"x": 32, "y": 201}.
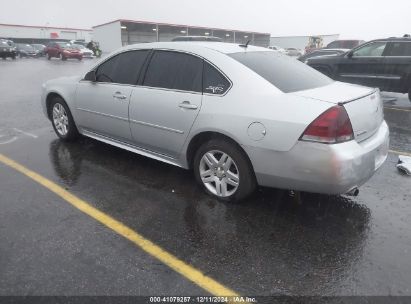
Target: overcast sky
{"x": 362, "y": 19}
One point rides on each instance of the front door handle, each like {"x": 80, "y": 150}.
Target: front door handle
{"x": 188, "y": 105}
{"x": 118, "y": 95}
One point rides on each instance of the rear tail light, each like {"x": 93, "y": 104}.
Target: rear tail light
{"x": 332, "y": 126}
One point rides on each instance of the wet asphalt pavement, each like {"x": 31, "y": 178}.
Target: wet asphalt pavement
{"x": 276, "y": 242}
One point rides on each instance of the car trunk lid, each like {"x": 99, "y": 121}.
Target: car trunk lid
{"x": 363, "y": 105}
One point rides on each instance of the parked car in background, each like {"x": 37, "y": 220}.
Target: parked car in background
{"x": 197, "y": 38}
{"x": 81, "y": 42}
{"x": 277, "y": 48}
{"x": 41, "y": 48}
{"x": 293, "y": 52}
{"x": 7, "y": 51}
{"x": 238, "y": 116}
{"x": 87, "y": 53}
{"x": 382, "y": 63}
{"x": 344, "y": 44}
{"x": 62, "y": 50}
{"x": 26, "y": 50}
{"x": 321, "y": 52}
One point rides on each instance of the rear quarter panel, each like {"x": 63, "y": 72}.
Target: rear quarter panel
{"x": 253, "y": 99}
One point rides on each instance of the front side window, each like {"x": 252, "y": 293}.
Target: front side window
{"x": 374, "y": 49}
{"x": 173, "y": 70}
{"x": 285, "y": 73}
{"x": 123, "y": 68}
{"x": 213, "y": 81}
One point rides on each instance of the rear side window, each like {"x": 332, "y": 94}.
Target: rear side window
{"x": 123, "y": 68}
{"x": 174, "y": 70}
{"x": 287, "y": 74}
{"x": 399, "y": 49}
{"x": 213, "y": 81}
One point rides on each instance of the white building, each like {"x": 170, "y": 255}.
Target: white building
{"x": 300, "y": 42}
{"x": 32, "y": 34}
{"x": 115, "y": 34}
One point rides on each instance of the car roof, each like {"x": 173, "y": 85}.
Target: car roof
{"x": 334, "y": 50}
{"x": 394, "y": 39}
{"x": 222, "y": 47}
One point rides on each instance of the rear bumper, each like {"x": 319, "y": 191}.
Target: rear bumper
{"x": 321, "y": 168}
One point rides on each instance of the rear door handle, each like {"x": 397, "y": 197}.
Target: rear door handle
{"x": 188, "y": 105}
{"x": 118, "y": 95}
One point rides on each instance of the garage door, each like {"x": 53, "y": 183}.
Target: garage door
{"x": 68, "y": 35}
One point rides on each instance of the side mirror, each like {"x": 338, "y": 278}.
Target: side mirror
{"x": 350, "y": 54}
{"x": 91, "y": 76}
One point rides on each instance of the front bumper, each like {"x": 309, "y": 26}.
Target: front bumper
{"x": 87, "y": 55}
{"x": 8, "y": 54}
{"x": 73, "y": 55}
{"x": 321, "y": 168}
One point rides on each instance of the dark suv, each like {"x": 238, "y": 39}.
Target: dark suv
{"x": 7, "y": 49}
{"x": 382, "y": 63}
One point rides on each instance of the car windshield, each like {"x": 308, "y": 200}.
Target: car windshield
{"x": 64, "y": 45}
{"x": 26, "y": 47}
{"x": 77, "y": 46}
{"x": 287, "y": 74}
{"x": 38, "y": 46}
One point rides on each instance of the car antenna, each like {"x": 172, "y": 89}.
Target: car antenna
{"x": 245, "y": 45}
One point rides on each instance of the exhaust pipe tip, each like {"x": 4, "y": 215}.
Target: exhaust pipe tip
{"x": 353, "y": 192}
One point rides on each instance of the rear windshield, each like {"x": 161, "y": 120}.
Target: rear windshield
{"x": 287, "y": 74}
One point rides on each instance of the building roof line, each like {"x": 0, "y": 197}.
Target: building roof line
{"x": 292, "y": 36}
{"x": 180, "y": 25}
{"x": 47, "y": 27}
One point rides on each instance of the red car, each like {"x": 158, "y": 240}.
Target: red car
{"x": 62, "y": 50}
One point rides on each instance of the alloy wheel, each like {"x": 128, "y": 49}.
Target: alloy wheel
{"x": 60, "y": 119}
{"x": 219, "y": 173}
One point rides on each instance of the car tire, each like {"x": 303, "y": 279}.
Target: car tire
{"x": 221, "y": 179}
{"x": 48, "y": 57}
{"x": 409, "y": 94}
{"x": 13, "y": 57}
{"x": 62, "y": 120}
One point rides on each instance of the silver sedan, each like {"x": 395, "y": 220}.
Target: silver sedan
{"x": 239, "y": 116}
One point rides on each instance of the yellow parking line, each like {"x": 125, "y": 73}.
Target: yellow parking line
{"x": 400, "y": 152}
{"x": 186, "y": 270}
{"x": 398, "y": 109}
